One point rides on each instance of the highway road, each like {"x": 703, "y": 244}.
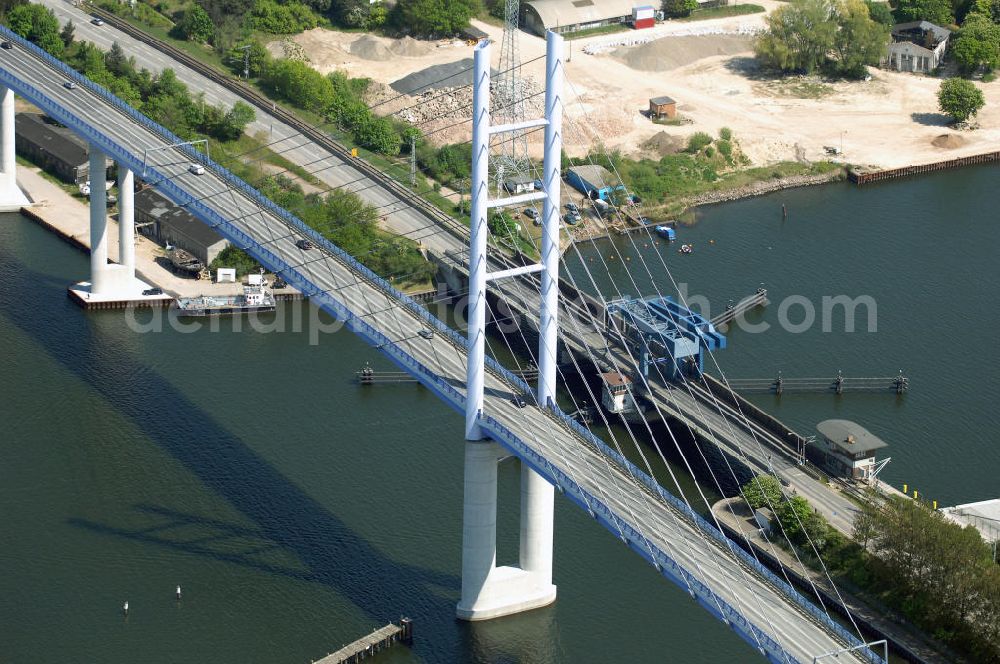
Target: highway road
{"x": 650, "y": 523}
{"x": 328, "y": 168}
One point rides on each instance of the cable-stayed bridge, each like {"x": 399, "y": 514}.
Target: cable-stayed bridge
{"x": 770, "y": 615}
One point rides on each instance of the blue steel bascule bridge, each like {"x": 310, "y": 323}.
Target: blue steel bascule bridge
{"x": 556, "y": 452}
{"x": 661, "y": 331}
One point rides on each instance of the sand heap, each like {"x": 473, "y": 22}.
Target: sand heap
{"x": 370, "y": 47}
{"x": 948, "y": 141}
{"x": 662, "y": 144}
{"x": 672, "y": 52}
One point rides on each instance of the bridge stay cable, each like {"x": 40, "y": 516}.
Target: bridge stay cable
{"x": 632, "y": 434}
{"x": 728, "y": 423}
{"x": 697, "y": 406}
{"x": 663, "y": 416}
{"x": 727, "y": 419}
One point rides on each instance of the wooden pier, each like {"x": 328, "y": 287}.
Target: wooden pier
{"x": 862, "y": 178}
{"x": 757, "y": 299}
{"x": 897, "y": 384}
{"x": 377, "y": 641}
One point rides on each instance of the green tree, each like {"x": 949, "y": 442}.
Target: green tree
{"x": 67, "y": 34}
{"x": 960, "y": 99}
{"x": 977, "y": 44}
{"x": 235, "y": 257}
{"x": 798, "y": 37}
{"x": 762, "y": 491}
{"x": 697, "y": 141}
{"x": 196, "y": 25}
{"x": 434, "y": 18}
{"x": 7, "y": 5}
{"x": 502, "y": 226}
{"x": 235, "y": 121}
{"x": 795, "y": 515}
{"x": 281, "y": 19}
{"x": 990, "y": 8}
{"x": 116, "y": 61}
{"x": 379, "y": 135}
{"x": 37, "y": 24}
{"x": 377, "y": 16}
{"x": 865, "y": 523}
{"x": 880, "y": 12}
{"x": 221, "y": 11}
{"x": 256, "y": 58}
{"x": 679, "y": 8}
{"x": 935, "y": 11}
{"x": 859, "y": 41}
{"x": 300, "y": 84}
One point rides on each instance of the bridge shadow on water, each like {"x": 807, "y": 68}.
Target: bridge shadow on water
{"x": 328, "y": 551}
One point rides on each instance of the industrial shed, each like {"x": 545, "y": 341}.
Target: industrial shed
{"x": 571, "y": 15}
{"x": 593, "y": 181}
{"x": 52, "y": 147}
{"x": 160, "y": 219}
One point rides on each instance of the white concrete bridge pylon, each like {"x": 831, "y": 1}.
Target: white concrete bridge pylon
{"x": 489, "y": 591}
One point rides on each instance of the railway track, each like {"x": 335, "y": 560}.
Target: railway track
{"x": 263, "y": 103}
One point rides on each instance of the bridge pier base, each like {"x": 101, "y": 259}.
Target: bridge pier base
{"x": 110, "y": 282}
{"x": 489, "y": 591}
{"x": 11, "y": 196}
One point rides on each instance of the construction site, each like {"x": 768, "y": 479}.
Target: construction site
{"x": 706, "y": 66}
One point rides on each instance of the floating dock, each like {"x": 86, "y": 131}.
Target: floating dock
{"x": 377, "y": 641}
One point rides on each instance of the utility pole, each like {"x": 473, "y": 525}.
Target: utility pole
{"x": 413, "y": 161}
{"x": 246, "y": 61}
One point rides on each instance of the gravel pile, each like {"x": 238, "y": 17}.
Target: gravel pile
{"x": 673, "y": 52}
{"x": 455, "y": 103}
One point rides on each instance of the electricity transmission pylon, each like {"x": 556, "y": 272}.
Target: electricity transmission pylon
{"x": 509, "y": 101}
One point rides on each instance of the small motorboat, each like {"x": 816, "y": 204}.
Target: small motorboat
{"x": 666, "y": 232}
{"x": 686, "y": 249}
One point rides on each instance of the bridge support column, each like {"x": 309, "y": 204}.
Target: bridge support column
{"x": 111, "y": 282}
{"x": 537, "y": 495}
{"x": 489, "y": 591}
{"x": 11, "y": 196}
{"x": 99, "y": 269}
{"x": 537, "y": 511}
{"x": 126, "y": 221}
